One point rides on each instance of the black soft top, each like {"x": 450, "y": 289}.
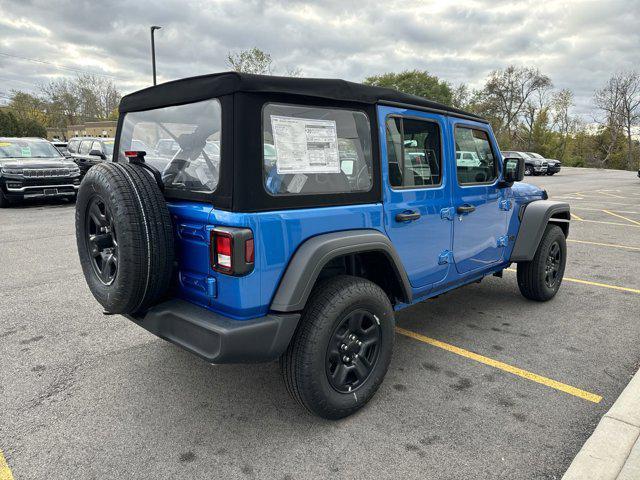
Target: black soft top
{"x": 194, "y": 89}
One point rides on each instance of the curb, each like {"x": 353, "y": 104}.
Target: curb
{"x": 612, "y": 452}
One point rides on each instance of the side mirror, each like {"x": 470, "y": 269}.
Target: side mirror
{"x": 97, "y": 153}
{"x": 512, "y": 171}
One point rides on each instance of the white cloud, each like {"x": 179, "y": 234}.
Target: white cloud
{"x": 579, "y": 44}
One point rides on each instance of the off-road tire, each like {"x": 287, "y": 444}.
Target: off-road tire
{"x": 531, "y": 275}
{"x": 303, "y": 365}
{"x": 145, "y": 244}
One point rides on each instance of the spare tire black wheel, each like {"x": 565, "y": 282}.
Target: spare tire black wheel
{"x": 124, "y": 236}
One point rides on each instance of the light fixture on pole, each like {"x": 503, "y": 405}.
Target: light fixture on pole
{"x": 153, "y": 51}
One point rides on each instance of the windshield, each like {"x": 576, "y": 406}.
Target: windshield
{"x": 534, "y": 155}
{"x": 27, "y": 148}
{"x": 183, "y": 142}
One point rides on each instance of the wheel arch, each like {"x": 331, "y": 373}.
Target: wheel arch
{"x": 534, "y": 218}
{"x": 317, "y": 253}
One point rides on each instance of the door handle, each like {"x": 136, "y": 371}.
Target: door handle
{"x": 407, "y": 216}
{"x": 466, "y": 208}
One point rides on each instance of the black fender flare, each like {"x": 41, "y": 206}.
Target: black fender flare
{"x": 310, "y": 258}
{"x": 533, "y": 221}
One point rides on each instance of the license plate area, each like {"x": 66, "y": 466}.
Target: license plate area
{"x": 50, "y": 191}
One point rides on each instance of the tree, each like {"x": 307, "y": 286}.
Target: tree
{"x": 508, "y": 91}
{"x": 416, "y": 82}
{"x": 562, "y": 121}
{"x": 608, "y": 100}
{"x": 85, "y": 98}
{"x": 9, "y": 125}
{"x": 253, "y": 60}
{"x": 628, "y": 87}
{"x": 32, "y": 128}
{"x": 26, "y": 106}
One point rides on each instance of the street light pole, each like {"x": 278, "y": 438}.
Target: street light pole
{"x": 153, "y": 51}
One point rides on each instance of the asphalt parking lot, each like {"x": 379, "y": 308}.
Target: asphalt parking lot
{"x": 84, "y": 395}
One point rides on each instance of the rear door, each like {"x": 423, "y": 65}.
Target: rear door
{"x": 481, "y": 216}
{"x": 416, "y": 196}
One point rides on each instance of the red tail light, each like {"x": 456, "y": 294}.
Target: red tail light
{"x": 223, "y": 251}
{"x": 232, "y": 250}
{"x": 134, "y": 153}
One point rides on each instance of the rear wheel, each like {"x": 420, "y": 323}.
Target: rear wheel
{"x": 540, "y": 278}
{"x": 124, "y": 237}
{"x": 342, "y": 348}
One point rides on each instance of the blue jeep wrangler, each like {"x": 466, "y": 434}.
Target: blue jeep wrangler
{"x": 289, "y": 218}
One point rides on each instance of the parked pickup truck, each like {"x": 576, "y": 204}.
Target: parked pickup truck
{"x": 308, "y": 226}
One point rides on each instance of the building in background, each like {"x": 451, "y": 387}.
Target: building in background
{"x": 105, "y": 128}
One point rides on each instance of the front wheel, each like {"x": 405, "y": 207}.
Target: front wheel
{"x": 540, "y": 278}
{"x": 341, "y": 350}
{"x": 528, "y": 170}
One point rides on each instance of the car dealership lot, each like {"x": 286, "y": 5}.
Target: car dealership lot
{"x": 90, "y": 396}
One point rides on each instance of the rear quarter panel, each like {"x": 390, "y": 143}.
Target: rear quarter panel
{"x": 277, "y": 235}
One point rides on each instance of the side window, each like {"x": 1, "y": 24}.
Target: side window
{"x": 73, "y": 146}
{"x": 475, "y": 161}
{"x": 96, "y": 146}
{"x": 312, "y": 150}
{"x": 414, "y": 152}
{"x": 85, "y": 147}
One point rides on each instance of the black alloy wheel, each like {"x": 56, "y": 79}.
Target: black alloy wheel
{"x": 552, "y": 265}
{"x": 353, "y": 350}
{"x": 100, "y": 235}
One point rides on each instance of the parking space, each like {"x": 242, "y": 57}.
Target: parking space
{"x": 483, "y": 383}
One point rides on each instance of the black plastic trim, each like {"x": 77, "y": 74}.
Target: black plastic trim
{"x": 308, "y": 261}
{"x": 216, "y": 338}
{"x": 535, "y": 218}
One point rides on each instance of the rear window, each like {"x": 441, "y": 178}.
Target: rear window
{"x": 73, "y": 146}
{"x": 182, "y": 141}
{"x": 85, "y": 147}
{"x": 312, "y": 150}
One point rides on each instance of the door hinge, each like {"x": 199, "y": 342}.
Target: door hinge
{"x": 503, "y": 241}
{"x": 505, "y": 205}
{"x": 448, "y": 213}
{"x": 445, "y": 257}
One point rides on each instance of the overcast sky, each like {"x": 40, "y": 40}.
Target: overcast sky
{"x": 579, "y": 44}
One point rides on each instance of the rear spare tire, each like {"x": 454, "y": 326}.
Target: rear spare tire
{"x": 124, "y": 236}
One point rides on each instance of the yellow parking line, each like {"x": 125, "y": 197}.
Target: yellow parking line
{"x": 612, "y": 245}
{"x": 573, "y": 215}
{"x": 5, "y": 471}
{"x": 590, "y": 209}
{"x": 595, "y": 284}
{"x": 563, "y": 387}
{"x": 620, "y": 216}
{"x": 611, "y": 223}
{"x": 610, "y": 194}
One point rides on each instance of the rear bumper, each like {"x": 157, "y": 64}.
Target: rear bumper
{"x": 216, "y": 338}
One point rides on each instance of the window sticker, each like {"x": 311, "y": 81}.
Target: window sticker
{"x": 5, "y": 144}
{"x": 25, "y": 151}
{"x": 305, "y": 145}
